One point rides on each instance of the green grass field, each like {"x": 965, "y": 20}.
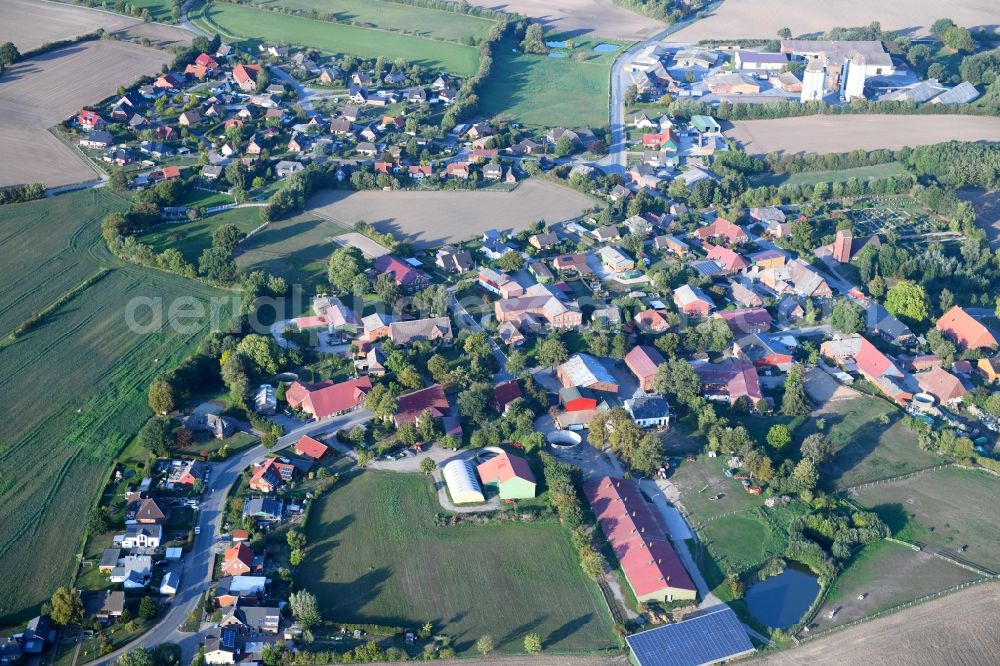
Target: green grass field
{"x": 738, "y": 539}
{"x": 417, "y": 21}
{"x": 691, "y": 477}
{"x": 375, "y": 555}
{"x": 74, "y": 387}
{"x": 867, "y": 450}
{"x": 254, "y": 25}
{"x": 945, "y": 509}
{"x": 889, "y": 574}
{"x": 193, "y": 238}
{"x": 542, "y": 91}
{"x": 812, "y": 177}
{"x": 297, "y": 248}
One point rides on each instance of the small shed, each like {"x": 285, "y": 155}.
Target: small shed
{"x": 174, "y": 553}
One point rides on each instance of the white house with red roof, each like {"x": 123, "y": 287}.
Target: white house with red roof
{"x": 409, "y": 278}
{"x": 89, "y": 120}
{"x": 724, "y": 229}
{"x": 311, "y": 448}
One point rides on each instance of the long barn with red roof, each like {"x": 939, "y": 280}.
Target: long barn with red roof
{"x": 651, "y": 565}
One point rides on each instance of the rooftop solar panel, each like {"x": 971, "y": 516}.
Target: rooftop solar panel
{"x": 702, "y": 640}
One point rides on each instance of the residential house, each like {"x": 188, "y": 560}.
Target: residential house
{"x": 649, "y": 411}
{"x": 406, "y": 276}
{"x": 796, "y": 277}
{"x": 620, "y": 193}
{"x": 226, "y": 647}
{"x": 539, "y": 304}
{"x": 725, "y": 230}
{"x": 499, "y": 283}
{"x": 245, "y": 590}
{"x": 510, "y": 335}
{"x": 989, "y": 367}
{"x": 692, "y": 301}
{"x": 251, "y": 619}
{"x": 219, "y": 426}
{"x": 245, "y": 76}
{"x": 586, "y": 371}
{"x": 286, "y": 168}
{"x": 767, "y": 259}
{"x": 436, "y": 330}
{"x": 458, "y": 170}
{"x": 327, "y": 399}
{"x": 411, "y": 406}
{"x": 965, "y": 330}
{"x": 308, "y": 447}
{"x": 170, "y": 584}
{"x": 652, "y": 321}
{"x": 671, "y": 243}
{"x": 145, "y": 512}
{"x": 878, "y": 320}
{"x": 615, "y": 259}
{"x": 97, "y": 139}
{"x": 237, "y": 560}
{"x": 764, "y": 351}
{"x": 944, "y": 386}
{"x": 492, "y": 172}
{"x": 271, "y": 474}
{"x": 189, "y": 118}
{"x": 110, "y": 604}
{"x": 746, "y": 320}
{"x": 607, "y": 233}
{"x": 366, "y": 148}
{"x": 767, "y": 214}
{"x": 729, "y": 380}
{"x": 543, "y": 241}
{"x": 133, "y": 572}
{"x": 643, "y": 361}
{"x": 856, "y": 353}
{"x": 376, "y": 325}
{"x": 729, "y": 261}
{"x": 575, "y": 261}
{"x": 744, "y": 295}
{"x": 608, "y": 317}
{"x": 186, "y": 474}
{"x": 454, "y": 260}
{"x": 89, "y": 120}
{"x": 263, "y": 509}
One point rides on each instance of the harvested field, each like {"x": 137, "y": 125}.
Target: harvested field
{"x": 944, "y": 510}
{"x": 841, "y": 134}
{"x": 432, "y": 218}
{"x": 888, "y": 574}
{"x": 368, "y": 247}
{"x": 99, "y": 370}
{"x": 159, "y": 34}
{"x": 955, "y": 629}
{"x": 41, "y": 92}
{"x": 763, "y": 18}
{"x": 591, "y": 18}
{"x": 376, "y": 555}
{"x": 31, "y": 23}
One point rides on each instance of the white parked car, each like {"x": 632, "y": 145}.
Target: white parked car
{"x": 197, "y": 529}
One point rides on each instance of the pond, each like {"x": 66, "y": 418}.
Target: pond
{"x": 606, "y": 48}
{"x": 556, "y": 45}
{"x": 781, "y": 601}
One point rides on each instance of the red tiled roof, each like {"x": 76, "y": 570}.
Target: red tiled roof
{"x": 737, "y": 378}
{"x": 246, "y": 73}
{"x": 643, "y": 360}
{"x": 941, "y": 384}
{"x": 505, "y": 467}
{"x": 730, "y": 260}
{"x": 506, "y": 393}
{"x": 206, "y": 60}
{"x": 307, "y": 446}
{"x": 965, "y": 329}
{"x": 637, "y": 537}
{"x": 327, "y": 399}
{"x": 410, "y": 406}
{"x": 171, "y": 172}
{"x": 872, "y": 362}
{"x": 651, "y": 319}
{"x": 240, "y": 552}
{"x": 400, "y": 271}
{"x": 743, "y": 319}
{"x": 724, "y": 228}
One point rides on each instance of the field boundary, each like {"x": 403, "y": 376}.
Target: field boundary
{"x": 900, "y": 477}
{"x": 38, "y": 317}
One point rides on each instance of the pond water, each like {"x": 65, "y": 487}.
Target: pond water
{"x": 556, "y": 45}
{"x": 606, "y": 48}
{"x": 557, "y": 55}
{"x": 781, "y": 601}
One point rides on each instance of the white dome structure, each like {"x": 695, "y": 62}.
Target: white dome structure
{"x": 462, "y": 483}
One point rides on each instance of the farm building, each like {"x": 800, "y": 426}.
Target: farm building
{"x": 707, "y": 639}
{"x": 586, "y": 371}
{"x": 965, "y": 330}
{"x": 462, "y": 484}
{"x": 327, "y": 399}
{"x": 507, "y": 473}
{"x": 652, "y": 568}
{"x": 643, "y": 361}
{"x": 764, "y": 61}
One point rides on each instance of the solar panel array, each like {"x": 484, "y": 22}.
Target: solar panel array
{"x": 702, "y": 640}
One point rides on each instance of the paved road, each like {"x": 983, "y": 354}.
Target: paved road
{"x": 463, "y": 318}
{"x": 305, "y": 96}
{"x": 196, "y": 570}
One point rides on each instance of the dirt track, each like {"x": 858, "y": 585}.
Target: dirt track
{"x": 31, "y": 23}
{"x": 763, "y": 18}
{"x": 589, "y": 18}
{"x": 41, "y": 92}
{"x": 432, "y": 218}
{"x": 841, "y": 134}
{"x": 960, "y": 629}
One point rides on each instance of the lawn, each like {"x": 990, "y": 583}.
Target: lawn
{"x": 889, "y": 574}
{"x": 297, "y": 248}
{"x": 254, "y": 25}
{"x": 376, "y": 556}
{"x": 944, "y": 509}
{"x": 691, "y": 478}
{"x": 867, "y": 450}
{"x": 193, "y": 238}
{"x": 393, "y": 16}
{"x": 737, "y": 540}
{"x": 92, "y": 373}
{"x": 543, "y": 91}
{"x": 837, "y": 176}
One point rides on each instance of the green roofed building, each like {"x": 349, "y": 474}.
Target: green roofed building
{"x": 509, "y": 474}
{"x": 705, "y": 124}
